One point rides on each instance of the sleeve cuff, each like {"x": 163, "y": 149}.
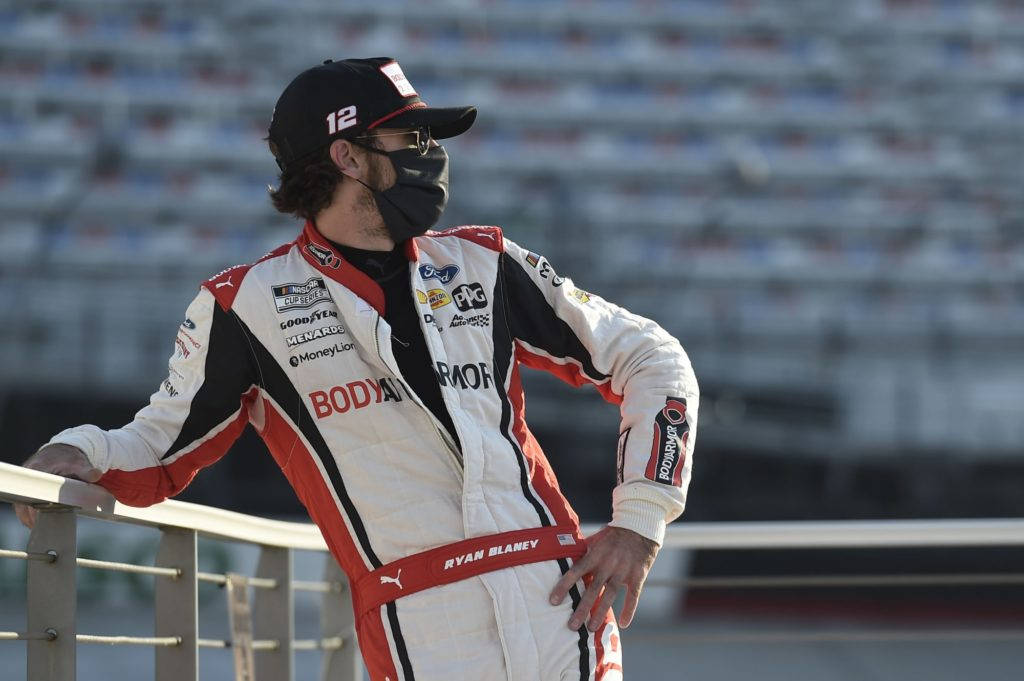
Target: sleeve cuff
{"x": 80, "y": 437}
{"x": 644, "y": 517}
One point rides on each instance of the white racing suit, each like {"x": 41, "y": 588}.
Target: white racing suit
{"x": 296, "y": 345}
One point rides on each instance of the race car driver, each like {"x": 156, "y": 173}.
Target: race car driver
{"x": 380, "y": 362}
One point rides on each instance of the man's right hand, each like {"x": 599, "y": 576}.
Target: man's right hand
{"x": 65, "y": 460}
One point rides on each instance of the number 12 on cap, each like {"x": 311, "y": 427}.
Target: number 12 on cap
{"x": 341, "y": 119}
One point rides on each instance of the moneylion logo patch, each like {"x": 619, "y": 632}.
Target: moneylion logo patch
{"x": 300, "y": 296}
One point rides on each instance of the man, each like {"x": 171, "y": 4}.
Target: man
{"x": 380, "y": 363}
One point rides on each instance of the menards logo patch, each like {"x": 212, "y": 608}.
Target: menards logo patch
{"x": 300, "y": 338}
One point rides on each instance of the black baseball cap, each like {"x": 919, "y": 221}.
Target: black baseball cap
{"x": 348, "y": 98}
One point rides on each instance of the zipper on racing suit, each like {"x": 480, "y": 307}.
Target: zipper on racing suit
{"x": 447, "y": 443}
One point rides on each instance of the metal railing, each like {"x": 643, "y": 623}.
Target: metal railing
{"x": 51, "y": 590}
{"x": 52, "y": 563}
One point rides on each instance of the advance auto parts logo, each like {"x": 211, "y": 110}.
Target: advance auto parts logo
{"x": 300, "y": 296}
{"x": 336, "y": 349}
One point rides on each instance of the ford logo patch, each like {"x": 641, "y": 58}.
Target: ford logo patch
{"x": 444, "y": 274}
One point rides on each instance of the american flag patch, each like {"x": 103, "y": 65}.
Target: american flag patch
{"x": 566, "y": 539}
{"x": 533, "y": 259}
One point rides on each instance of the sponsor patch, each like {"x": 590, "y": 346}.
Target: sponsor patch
{"x": 421, "y": 296}
{"x": 300, "y": 296}
{"x": 314, "y": 317}
{"x": 443, "y": 274}
{"x": 356, "y": 395}
{"x": 324, "y": 256}
{"x": 190, "y": 340}
{"x": 336, "y": 349}
{"x": 438, "y": 297}
{"x": 394, "y": 73}
{"x": 464, "y": 376}
{"x": 314, "y": 334}
{"x": 189, "y": 324}
{"x": 546, "y": 272}
{"x": 179, "y": 348}
{"x": 478, "y": 320}
{"x": 170, "y": 389}
{"x": 469, "y": 297}
{"x": 668, "y": 451}
{"x": 581, "y": 295}
{"x": 431, "y": 319}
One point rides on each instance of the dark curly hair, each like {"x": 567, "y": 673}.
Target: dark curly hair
{"x": 306, "y": 190}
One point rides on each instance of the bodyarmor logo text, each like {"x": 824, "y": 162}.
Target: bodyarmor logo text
{"x": 356, "y": 395}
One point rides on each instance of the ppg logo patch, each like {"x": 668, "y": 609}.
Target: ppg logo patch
{"x": 668, "y": 451}
{"x": 469, "y": 297}
{"x": 444, "y": 274}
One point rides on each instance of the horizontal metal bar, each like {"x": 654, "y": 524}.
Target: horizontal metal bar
{"x": 321, "y": 587}
{"x": 29, "y": 486}
{"x": 222, "y": 643}
{"x": 173, "y": 573}
{"x": 332, "y": 643}
{"x": 836, "y": 581}
{"x": 130, "y": 640}
{"x": 841, "y": 534}
{"x": 48, "y": 557}
{"x": 883, "y": 635}
{"x": 257, "y": 582}
{"x": 25, "y": 636}
{"x": 25, "y": 485}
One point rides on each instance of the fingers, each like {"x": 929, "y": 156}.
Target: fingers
{"x": 574, "y": 574}
{"x": 598, "y": 614}
{"x": 629, "y": 607}
{"x": 586, "y": 603}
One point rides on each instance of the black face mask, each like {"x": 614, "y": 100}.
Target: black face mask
{"x": 414, "y": 203}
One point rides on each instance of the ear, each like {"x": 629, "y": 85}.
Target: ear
{"x": 348, "y": 159}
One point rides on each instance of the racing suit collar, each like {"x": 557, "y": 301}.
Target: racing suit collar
{"x": 322, "y": 255}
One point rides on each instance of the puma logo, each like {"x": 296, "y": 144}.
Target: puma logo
{"x": 224, "y": 283}
{"x": 384, "y": 579}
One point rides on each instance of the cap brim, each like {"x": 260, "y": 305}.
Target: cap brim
{"x": 443, "y": 122}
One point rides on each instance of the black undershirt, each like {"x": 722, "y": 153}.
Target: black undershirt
{"x": 390, "y": 269}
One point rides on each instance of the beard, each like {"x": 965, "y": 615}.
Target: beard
{"x": 370, "y": 219}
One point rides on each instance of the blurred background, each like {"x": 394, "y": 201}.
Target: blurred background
{"x": 822, "y": 199}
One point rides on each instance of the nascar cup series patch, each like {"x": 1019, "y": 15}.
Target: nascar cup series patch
{"x": 668, "y": 451}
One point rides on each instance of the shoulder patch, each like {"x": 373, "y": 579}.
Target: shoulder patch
{"x": 225, "y": 284}
{"x": 483, "y": 235}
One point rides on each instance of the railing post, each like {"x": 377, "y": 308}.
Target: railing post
{"x": 337, "y": 619}
{"x": 274, "y": 615}
{"x": 52, "y": 595}
{"x": 177, "y": 606}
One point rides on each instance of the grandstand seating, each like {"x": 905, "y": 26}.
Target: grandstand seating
{"x": 829, "y": 190}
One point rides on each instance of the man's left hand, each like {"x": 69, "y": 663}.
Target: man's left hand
{"x": 617, "y": 558}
